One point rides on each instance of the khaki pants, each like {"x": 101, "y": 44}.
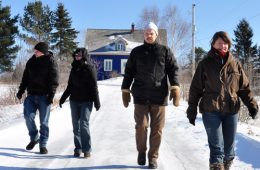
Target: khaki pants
{"x": 157, "y": 116}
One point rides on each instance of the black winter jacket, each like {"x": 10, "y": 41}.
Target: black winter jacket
{"x": 82, "y": 84}
{"x": 40, "y": 76}
{"x": 148, "y": 67}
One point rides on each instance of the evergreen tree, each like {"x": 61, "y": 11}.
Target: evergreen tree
{"x": 200, "y": 53}
{"x": 243, "y": 45}
{"x": 64, "y": 36}
{"x": 37, "y": 22}
{"x": 257, "y": 60}
{"x": 8, "y": 32}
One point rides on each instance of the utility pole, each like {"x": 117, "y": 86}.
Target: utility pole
{"x": 193, "y": 40}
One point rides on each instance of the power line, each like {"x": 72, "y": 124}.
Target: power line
{"x": 254, "y": 16}
{"x": 232, "y": 28}
{"x": 225, "y": 14}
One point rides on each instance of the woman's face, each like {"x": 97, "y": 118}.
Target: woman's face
{"x": 221, "y": 45}
{"x": 78, "y": 57}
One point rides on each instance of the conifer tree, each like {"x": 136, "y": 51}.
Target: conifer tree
{"x": 243, "y": 45}
{"x": 8, "y": 33}
{"x": 64, "y": 36}
{"x": 37, "y": 22}
{"x": 257, "y": 60}
{"x": 244, "y": 48}
{"x": 199, "y": 54}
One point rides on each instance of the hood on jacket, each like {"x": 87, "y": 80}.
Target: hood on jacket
{"x": 82, "y": 52}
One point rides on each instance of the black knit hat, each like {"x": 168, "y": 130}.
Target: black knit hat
{"x": 42, "y": 47}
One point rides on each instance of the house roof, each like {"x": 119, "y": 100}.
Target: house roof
{"x": 101, "y": 41}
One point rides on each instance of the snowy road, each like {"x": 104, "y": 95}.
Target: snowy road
{"x": 113, "y": 140}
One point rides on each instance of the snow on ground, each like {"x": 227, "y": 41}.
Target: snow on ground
{"x": 184, "y": 147}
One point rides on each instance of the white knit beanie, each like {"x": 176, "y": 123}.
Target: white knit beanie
{"x": 152, "y": 25}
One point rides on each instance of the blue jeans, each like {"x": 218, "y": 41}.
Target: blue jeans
{"x": 221, "y": 130}
{"x": 80, "y": 114}
{"x": 33, "y": 103}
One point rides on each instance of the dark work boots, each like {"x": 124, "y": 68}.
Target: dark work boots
{"x": 141, "y": 159}
{"x": 31, "y": 145}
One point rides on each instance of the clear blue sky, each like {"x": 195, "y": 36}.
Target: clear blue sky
{"x": 210, "y": 16}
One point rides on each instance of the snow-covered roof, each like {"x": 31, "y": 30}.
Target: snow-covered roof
{"x": 104, "y": 40}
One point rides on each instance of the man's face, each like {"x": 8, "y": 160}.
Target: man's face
{"x": 38, "y": 53}
{"x": 150, "y": 36}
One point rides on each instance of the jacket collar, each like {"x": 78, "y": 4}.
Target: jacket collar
{"x": 151, "y": 45}
{"x": 224, "y": 61}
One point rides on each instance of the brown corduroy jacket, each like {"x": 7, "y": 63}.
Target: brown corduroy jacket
{"x": 218, "y": 85}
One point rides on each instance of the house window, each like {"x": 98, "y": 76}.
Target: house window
{"x": 120, "y": 47}
{"x": 107, "y": 65}
{"x": 123, "y": 63}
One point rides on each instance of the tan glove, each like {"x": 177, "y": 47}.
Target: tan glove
{"x": 126, "y": 97}
{"x": 175, "y": 95}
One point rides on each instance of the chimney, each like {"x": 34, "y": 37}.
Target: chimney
{"x": 132, "y": 27}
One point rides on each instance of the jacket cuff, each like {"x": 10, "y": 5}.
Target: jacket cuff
{"x": 175, "y": 87}
{"x": 126, "y": 90}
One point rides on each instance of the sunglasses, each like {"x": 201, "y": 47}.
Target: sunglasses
{"x": 78, "y": 55}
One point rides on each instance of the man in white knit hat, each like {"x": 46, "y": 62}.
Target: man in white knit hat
{"x": 147, "y": 70}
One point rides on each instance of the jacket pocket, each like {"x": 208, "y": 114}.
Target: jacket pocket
{"x": 209, "y": 103}
{"x": 234, "y": 104}
{"x": 233, "y": 81}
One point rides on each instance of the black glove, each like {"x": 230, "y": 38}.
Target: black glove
{"x": 62, "y": 100}
{"x": 60, "y": 104}
{"x": 192, "y": 121}
{"x": 97, "y": 105}
{"x": 19, "y": 95}
{"x": 253, "y": 113}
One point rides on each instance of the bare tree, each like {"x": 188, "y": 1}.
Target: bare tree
{"x": 178, "y": 31}
{"x": 149, "y": 14}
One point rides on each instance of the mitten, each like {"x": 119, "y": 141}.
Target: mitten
{"x": 191, "y": 114}
{"x": 19, "y": 95}
{"x": 192, "y": 121}
{"x": 126, "y": 97}
{"x": 97, "y": 105}
{"x": 253, "y": 113}
{"x": 175, "y": 95}
{"x": 62, "y": 100}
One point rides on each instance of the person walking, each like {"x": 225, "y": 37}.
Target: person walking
{"x": 147, "y": 70}
{"x": 40, "y": 79}
{"x": 218, "y": 85}
{"x": 83, "y": 91}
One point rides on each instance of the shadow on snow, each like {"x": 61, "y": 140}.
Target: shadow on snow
{"x": 40, "y": 156}
{"x": 248, "y": 150}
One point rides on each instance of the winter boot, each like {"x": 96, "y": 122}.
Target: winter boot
{"x": 227, "y": 164}
{"x": 141, "y": 159}
{"x": 216, "y": 166}
{"x": 86, "y": 154}
{"x": 31, "y": 145}
{"x": 152, "y": 164}
{"x": 77, "y": 154}
{"x": 43, "y": 150}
